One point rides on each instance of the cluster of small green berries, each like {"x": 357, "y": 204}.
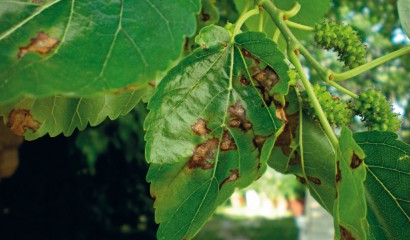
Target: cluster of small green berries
{"x": 376, "y": 111}
{"x": 337, "y": 111}
{"x": 343, "y": 39}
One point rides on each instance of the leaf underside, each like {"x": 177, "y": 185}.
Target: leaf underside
{"x": 59, "y": 114}
{"x": 211, "y": 129}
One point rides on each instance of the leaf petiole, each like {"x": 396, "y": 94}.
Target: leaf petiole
{"x": 299, "y": 26}
{"x": 242, "y": 19}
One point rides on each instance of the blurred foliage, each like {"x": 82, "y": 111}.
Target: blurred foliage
{"x": 222, "y": 227}
{"x": 277, "y": 185}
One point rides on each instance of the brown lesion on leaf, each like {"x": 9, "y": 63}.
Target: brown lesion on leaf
{"x": 289, "y": 133}
{"x": 244, "y": 81}
{"x": 19, "y": 120}
{"x": 203, "y": 153}
{"x": 238, "y": 117}
{"x": 281, "y": 114}
{"x": 125, "y": 89}
{"x": 356, "y": 161}
{"x": 227, "y": 142}
{"x": 246, "y": 53}
{"x": 267, "y": 78}
{"x": 315, "y": 180}
{"x": 204, "y": 15}
{"x": 41, "y": 44}
{"x": 302, "y": 180}
{"x": 234, "y": 175}
{"x": 258, "y": 141}
{"x": 345, "y": 234}
{"x": 295, "y": 159}
{"x": 186, "y": 44}
{"x": 200, "y": 127}
{"x": 338, "y": 172}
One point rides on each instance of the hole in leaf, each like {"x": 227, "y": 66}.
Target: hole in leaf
{"x": 227, "y": 142}
{"x": 19, "y": 120}
{"x": 231, "y": 178}
{"x": 202, "y": 153}
{"x": 41, "y": 44}
{"x": 200, "y": 127}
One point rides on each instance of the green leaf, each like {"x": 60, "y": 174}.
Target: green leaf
{"x": 386, "y": 186}
{"x": 349, "y": 211}
{"x": 210, "y": 129}
{"x": 85, "y": 47}
{"x": 318, "y": 162}
{"x": 403, "y": 6}
{"x": 212, "y": 35}
{"x": 311, "y": 11}
{"x": 326, "y": 172}
{"x": 59, "y": 114}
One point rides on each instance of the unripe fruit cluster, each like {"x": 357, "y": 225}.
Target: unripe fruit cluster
{"x": 343, "y": 39}
{"x": 336, "y": 111}
{"x": 376, "y": 111}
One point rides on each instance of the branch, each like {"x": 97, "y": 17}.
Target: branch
{"x": 365, "y": 67}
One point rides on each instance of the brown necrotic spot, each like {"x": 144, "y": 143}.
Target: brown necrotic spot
{"x": 338, "y": 172}
{"x": 227, "y": 142}
{"x": 19, "y": 120}
{"x": 203, "y": 153}
{"x": 315, "y": 180}
{"x": 234, "y": 175}
{"x": 258, "y": 141}
{"x": 246, "y": 53}
{"x": 244, "y": 81}
{"x": 301, "y": 179}
{"x": 288, "y": 135}
{"x": 296, "y": 159}
{"x": 41, "y": 44}
{"x": 204, "y": 16}
{"x": 345, "y": 234}
{"x": 356, "y": 161}
{"x": 238, "y": 117}
{"x": 200, "y": 127}
{"x": 267, "y": 78}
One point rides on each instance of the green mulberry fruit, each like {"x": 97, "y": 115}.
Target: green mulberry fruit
{"x": 376, "y": 111}
{"x": 344, "y": 40}
{"x": 336, "y": 111}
